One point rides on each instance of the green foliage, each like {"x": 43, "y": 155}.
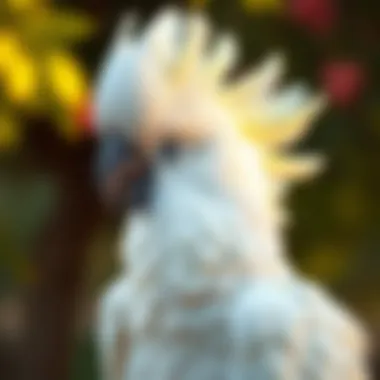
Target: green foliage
{"x": 85, "y": 363}
{"x": 25, "y": 204}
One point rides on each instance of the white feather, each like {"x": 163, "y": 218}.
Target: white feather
{"x": 209, "y": 293}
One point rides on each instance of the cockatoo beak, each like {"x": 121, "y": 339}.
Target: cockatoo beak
{"x": 122, "y": 171}
{"x": 123, "y": 174}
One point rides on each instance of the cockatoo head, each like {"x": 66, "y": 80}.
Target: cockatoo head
{"x": 183, "y": 141}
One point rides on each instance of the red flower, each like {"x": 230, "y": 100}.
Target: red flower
{"x": 318, "y": 16}
{"x": 343, "y": 81}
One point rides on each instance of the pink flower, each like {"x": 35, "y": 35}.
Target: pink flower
{"x": 343, "y": 81}
{"x": 318, "y": 16}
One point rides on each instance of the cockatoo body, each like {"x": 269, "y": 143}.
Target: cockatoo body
{"x": 206, "y": 291}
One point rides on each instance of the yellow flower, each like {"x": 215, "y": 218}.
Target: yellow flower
{"x": 261, "y": 6}
{"x": 9, "y": 47}
{"x": 21, "y": 79}
{"x": 17, "y": 70}
{"x": 67, "y": 80}
{"x": 9, "y": 133}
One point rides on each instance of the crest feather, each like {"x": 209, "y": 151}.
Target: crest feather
{"x": 290, "y": 169}
{"x": 279, "y": 131}
{"x": 269, "y": 118}
{"x": 222, "y": 59}
{"x": 192, "y": 55}
{"x": 127, "y": 29}
{"x": 259, "y": 82}
{"x": 162, "y": 34}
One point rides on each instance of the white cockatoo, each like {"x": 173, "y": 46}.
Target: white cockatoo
{"x": 206, "y": 291}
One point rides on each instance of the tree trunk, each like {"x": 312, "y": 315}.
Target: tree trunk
{"x": 59, "y": 257}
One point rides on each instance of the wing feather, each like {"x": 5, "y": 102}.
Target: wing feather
{"x": 112, "y": 331}
{"x": 290, "y": 329}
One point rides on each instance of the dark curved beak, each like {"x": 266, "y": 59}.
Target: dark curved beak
{"x": 123, "y": 174}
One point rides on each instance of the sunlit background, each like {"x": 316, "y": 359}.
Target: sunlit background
{"x": 57, "y": 245}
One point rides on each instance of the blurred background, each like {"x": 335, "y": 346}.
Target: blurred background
{"x": 57, "y": 245}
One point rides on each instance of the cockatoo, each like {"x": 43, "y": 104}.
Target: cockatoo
{"x": 206, "y": 291}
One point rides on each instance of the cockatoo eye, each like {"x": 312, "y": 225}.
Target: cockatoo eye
{"x": 169, "y": 150}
